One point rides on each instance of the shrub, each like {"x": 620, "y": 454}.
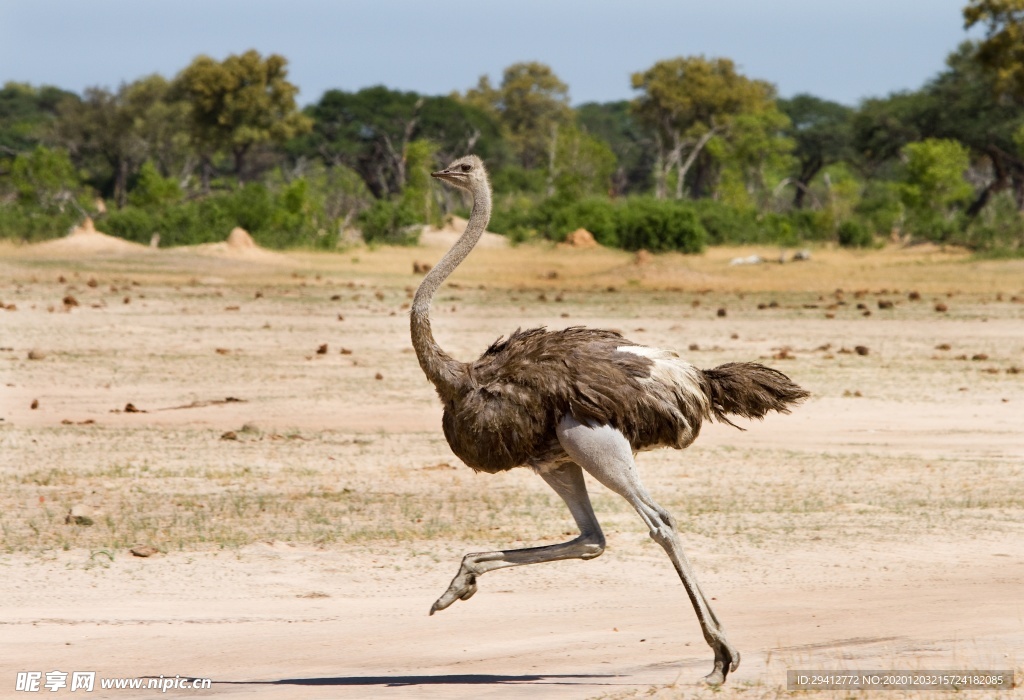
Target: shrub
{"x": 727, "y": 224}
{"x": 389, "y": 223}
{"x": 597, "y": 215}
{"x": 855, "y": 234}
{"x": 659, "y": 225}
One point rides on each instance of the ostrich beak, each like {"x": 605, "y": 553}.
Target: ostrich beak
{"x": 452, "y": 177}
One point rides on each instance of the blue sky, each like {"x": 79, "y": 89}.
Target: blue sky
{"x": 836, "y": 49}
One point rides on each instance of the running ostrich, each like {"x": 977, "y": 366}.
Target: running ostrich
{"x": 574, "y": 400}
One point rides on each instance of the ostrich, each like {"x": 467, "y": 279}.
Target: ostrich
{"x": 574, "y": 400}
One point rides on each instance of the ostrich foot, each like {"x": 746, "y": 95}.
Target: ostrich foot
{"x": 462, "y": 587}
{"x": 727, "y": 660}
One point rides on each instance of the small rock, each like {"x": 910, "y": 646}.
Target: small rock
{"x": 144, "y": 550}
{"x": 35, "y": 404}
{"x": 36, "y": 354}
{"x": 378, "y": 376}
{"x": 322, "y": 350}
{"x": 861, "y": 349}
{"x": 721, "y": 312}
{"x": 79, "y": 515}
{"x": 70, "y": 301}
{"x": 941, "y": 308}
{"x": 229, "y": 435}
{"x": 130, "y": 408}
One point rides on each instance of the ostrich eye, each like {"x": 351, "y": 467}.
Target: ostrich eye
{"x": 466, "y": 168}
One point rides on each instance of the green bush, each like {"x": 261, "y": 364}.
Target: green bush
{"x": 726, "y": 224}
{"x": 855, "y": 234}
{"x": 151, "y": 189}
{"x": 31, "y": 224}
{"x": 389, "y": 223}
{"x": 281, "y": 220}
{"x": 659, "y": 226}
{"x": 596, "y": 215}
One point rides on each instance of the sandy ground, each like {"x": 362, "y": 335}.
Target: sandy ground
{"x": 308, "y": 512}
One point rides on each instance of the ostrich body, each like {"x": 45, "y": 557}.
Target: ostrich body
{"x": 574, "y": 400}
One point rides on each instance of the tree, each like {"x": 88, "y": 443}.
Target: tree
{"x": 236, "y": 104}
{"x": 933, "y": 183}
{"x": 615, "y": 124}
{"x": 370, "y": 131}
{"x": 26, "y": 114}
{"x": 966, "y": 104}
{"x": 532, "y": 104}
{"x": 822, "y": 135}
{"x": 45, "y": 178}
{"x": 1002, "y": 49}
{"x": 161, "y": 122}
{"x": 757, "y": 150}
{"x": 687, "y": 101}
{"x": 583, "y": 165}
{"x": 883, "y": 126}
{"x": 101, "y": 127}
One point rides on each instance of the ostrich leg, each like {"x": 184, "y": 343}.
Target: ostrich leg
{"x": 567, "y": 481}
{"x": 607, "y": 456}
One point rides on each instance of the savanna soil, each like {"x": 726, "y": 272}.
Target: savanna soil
{"x": 307, "y": 511}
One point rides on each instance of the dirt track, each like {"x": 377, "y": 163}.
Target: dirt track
{"x": 879, "y": 526}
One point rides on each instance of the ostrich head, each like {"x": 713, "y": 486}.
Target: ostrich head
{"x": 466, "y": 173}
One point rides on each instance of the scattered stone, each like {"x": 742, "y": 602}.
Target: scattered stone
{"x": 378, "y": 376}
{"x": 941, "y": 308}
{"x": 92, "y": 282}
{"x": 1014, "y": 370}
{"x": 222, "y": 351}
{"x": 802, "y": 255}
{"x": 70, "y": 301}
{"x": 885, "y": 304}
{"x": 130, "y": 408}
{"x": 861, "y": 350}
{"x": 943, "y": 346}
{"x": 79, "y": 515}
{"x": 749, "y": 260}
{"x": 979, "y": 357}
{"x": 852, "y": 394}
{"x": 345, "y": 351}
{"x": 914, "y": 296}
{"x": 229, "y": 435}
{"x": 36, "y": 354}
{"x": 144, "y": 550}
{"x": 35, "y": 404}
{"x": 694, "y": 347}
{"x": 420, "y": 268}
{"x": 721, "y": 312}
{"x": 322, "y": 350}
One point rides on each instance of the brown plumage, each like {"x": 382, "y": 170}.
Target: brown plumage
{"x": 513, "y": 397}
{"x": 577, "y": 398}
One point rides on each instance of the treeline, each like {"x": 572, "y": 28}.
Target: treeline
{"x": 702, "y": 154}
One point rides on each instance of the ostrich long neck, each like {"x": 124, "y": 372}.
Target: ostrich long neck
{"x": 441, "y": 369}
